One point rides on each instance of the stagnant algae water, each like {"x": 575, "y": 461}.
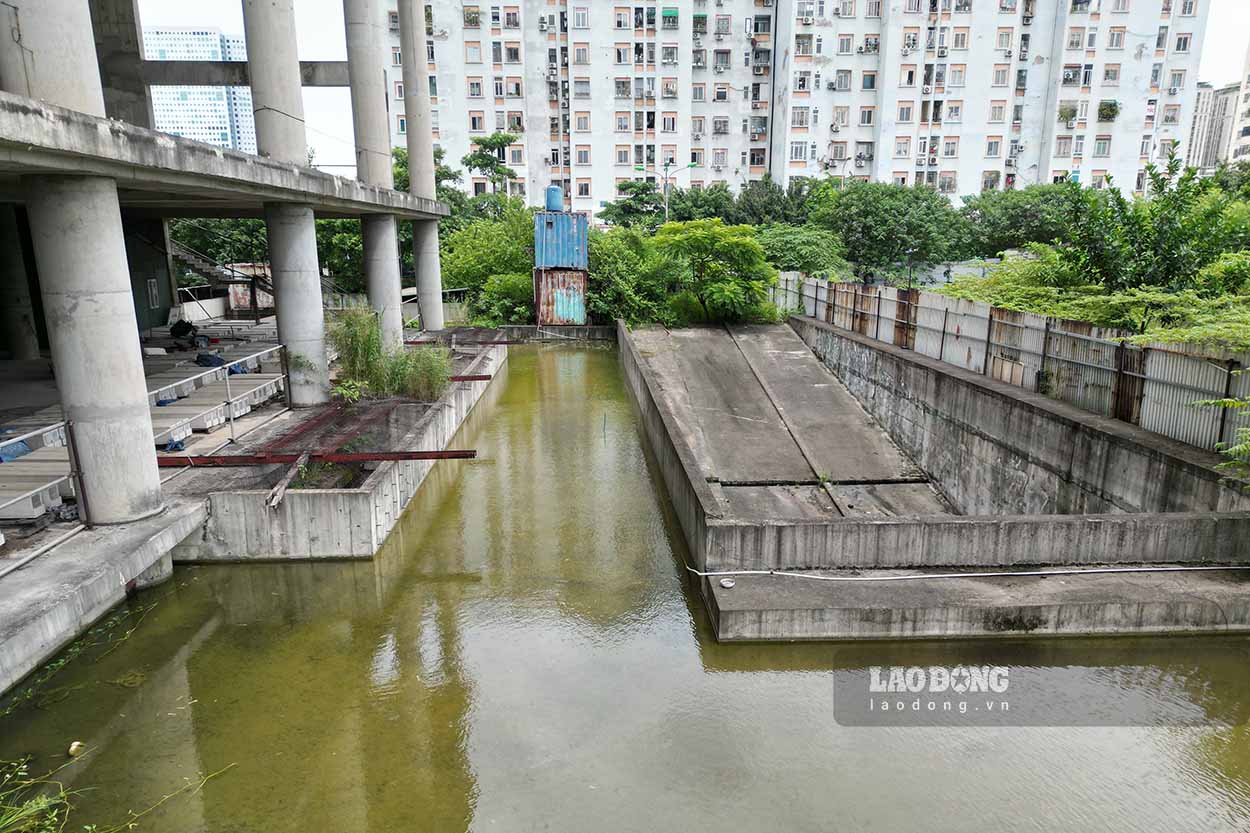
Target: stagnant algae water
{"x": 527, "y": 653}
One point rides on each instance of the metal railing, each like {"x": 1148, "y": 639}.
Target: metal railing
{"x": 73, "y": 474}
{"x": 1098, "y": 371}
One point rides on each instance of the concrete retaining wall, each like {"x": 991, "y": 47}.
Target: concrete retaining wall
{"x": 996, "y": 449}
{"x": 689, "y": 493}
{"x": 336, "y": 523}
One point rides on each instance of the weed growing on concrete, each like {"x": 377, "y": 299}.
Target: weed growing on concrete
{"x": 31, "y": 803}
{"x": 365, "y": 365}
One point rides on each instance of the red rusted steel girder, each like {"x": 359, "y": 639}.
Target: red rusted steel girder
{"x": 182, "y": 460}
{"x": 329, "y": 413}
{"x": 465, "y": 343}
{"x": 475, "y": 377}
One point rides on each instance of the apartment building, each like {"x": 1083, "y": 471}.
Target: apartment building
{"x": 962, "y": 95}
{"x": 1239, "y": 143}
{"x": 1210, "y": 139}
{"x": 217, "y": 115}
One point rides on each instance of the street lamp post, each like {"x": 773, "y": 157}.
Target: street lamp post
{"x": 667, "y": 178}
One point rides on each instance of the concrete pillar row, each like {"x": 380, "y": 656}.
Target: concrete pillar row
{"x": 277, "y": 99}
{"x": 17, "y": 315}
{"x": 48, "y": 53}
{"x": 421, "y": 160}
{"x": 366, "y": 25}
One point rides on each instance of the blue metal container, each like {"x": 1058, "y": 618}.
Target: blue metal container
{"x": 555, "y": 198}
{"x": 560, "y": 240}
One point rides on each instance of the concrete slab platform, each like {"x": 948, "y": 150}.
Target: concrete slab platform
{"x": 788, "y": 608}
{"x": 54, "y": 598}
{"x": 848, "y": 445}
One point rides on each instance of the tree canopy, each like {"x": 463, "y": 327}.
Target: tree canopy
{"x": 728, "y": 275}
{"x": 486, "y": 158}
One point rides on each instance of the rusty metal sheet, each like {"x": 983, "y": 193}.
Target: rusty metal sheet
{"x": 560, "y": 296}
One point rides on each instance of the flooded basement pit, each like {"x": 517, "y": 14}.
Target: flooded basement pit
{"x": 527, "y": 653}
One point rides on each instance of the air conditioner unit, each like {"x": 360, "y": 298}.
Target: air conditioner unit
{"x": 829, "y": 85}
{"x": 564, "y": 104}
{"x": 860, "y": 50}
{"x": 1028, "y": 18}
{"x": 808, "y": 21}
{"x": 1024, "y": 54}
{"x": 1071, "y": 123}
{"x": 927, "y": 89}
{"x": 1011, "y": 162}
{"x": 718, "y": 167}
{"x": 933, "y": 160}
{"x": 942, "y": 51}
{"x": 650, "y": 94}
{"x": 1173, "y": 90}
{"x": 920, "y": 162}
{"x": 720, "y": 35}
{"x": 835, "y": 128}
{"x": 859, "y": 163}
{"x": 698, "y": 40}
{"x": 768, "y": 2}
{"x": 755, "y": 137}
{"x": 697, "y": 137}
{"x": 1007, "y": 53}
{"x": 718, "y": 68}
{"x": 837, "y": 11}
{"x": 906, "y": 51}
{"x": 542, "y": 24}
{"x": 758, "y": 70}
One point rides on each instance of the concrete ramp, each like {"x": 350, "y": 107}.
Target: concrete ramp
{"x": 776, "y": 431}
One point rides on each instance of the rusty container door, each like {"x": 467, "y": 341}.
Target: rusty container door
{"x": 560, "y": 296}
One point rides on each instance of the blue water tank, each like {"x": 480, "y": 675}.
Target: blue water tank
{"x": 560, "y": 240}
{"x": 555, "y": 198}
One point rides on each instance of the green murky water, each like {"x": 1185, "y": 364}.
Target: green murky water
{"x": 525, "y": 654}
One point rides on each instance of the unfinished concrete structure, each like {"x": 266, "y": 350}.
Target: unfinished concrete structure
{"x": 812, "y": 468}
{"x": 86, "y": 187}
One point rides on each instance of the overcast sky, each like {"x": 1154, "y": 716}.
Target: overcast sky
{"x": 328, "y": 110}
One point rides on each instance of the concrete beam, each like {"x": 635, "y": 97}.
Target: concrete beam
{"x": 182, "y": 176}
{"x": 235, "y": 73}
{"x": 119, "y": 46}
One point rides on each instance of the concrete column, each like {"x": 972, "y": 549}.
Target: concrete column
{"x": 297, "y": 294}
{"x": 17, "y": 315}
{"x": 85, "y": 283}
{"x": 381, "y": 243}
{"x": 48, "y": 53}
{"x": 269, "y": 28}
{"x": 277, "y": 98}
{"x": 421, "y": 160}
{"x": 366, "y": 24}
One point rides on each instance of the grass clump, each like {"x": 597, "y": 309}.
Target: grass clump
{"x": 30, "y": 803}
{"x": 367, "y": 368}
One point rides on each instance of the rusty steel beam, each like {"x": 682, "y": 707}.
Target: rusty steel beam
{"x": 475, "y": 377}
{"x": 285, "y": 438}
{"x": 463, "y": 343}
{"x": 221, "y": 460}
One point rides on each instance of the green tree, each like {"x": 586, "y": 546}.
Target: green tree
{"x": 224, "y": 241}
{"x": 883, "y": 225}
{"x": 489, "y": 246}
{"x": 761, "y": 202}
{"x": 1232, "y": 179}
{"x": 340, "y": 251}
{"x": 638, "y": 203}
{"x": 505, "y": 299}
{"x": 1002, "y": 220}
{"x": 810, "y": 249}
{"x": 716, "y": 200}
{"x": 629, "y": 278}
{"x": 487, "y": 157}
{"x": 728, "y": 274}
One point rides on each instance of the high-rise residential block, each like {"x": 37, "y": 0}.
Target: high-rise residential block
{"x": 217, "y": 115}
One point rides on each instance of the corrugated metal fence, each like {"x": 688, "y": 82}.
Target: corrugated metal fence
{"x": 1093, "y": 368}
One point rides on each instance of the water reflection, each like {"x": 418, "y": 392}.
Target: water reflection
{"x": 524, "y": 654}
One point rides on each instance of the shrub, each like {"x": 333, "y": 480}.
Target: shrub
{"x": 365, "y": 368}
{"x": 505, "y": 299}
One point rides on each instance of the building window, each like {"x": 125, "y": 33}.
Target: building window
{"x": 582, "y": 122}
{"x": 1000, "y": 76}
{"x": 581, "y": 18}
{"x": 800, "y": 117}
{"x": 475, "y": 88}
{"x": 1102, "y": 146}
{"x": 1115, "y": 38}
{"x": 1076, "y": 38}
{"x": 1111, "y": 75}
{"x": 905, "y": 109}
{"x": 902, "y": 147}
{"x": 472, "y": 52}
{"x": 583, "y": 154}
{"x": 477, "y": 122}
{"x": 798, "y": 151}
{"x": 947, "y": 182}
{"x": 401, "y": 124}
{"x": 1063, "y": 146}
{"x": 397, "y": 57}
{"x": 998, "y": 111}
{"x": 399, "y": 89}
{"x": 994, "y": 146}
{"x": 867, "y": 116}
{"x": 1182, "y": 43}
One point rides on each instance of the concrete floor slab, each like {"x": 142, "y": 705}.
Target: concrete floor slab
{"x": 848, "y": 445}
{"x": 781, "y": 607}
{"x": 50, "y": 601}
